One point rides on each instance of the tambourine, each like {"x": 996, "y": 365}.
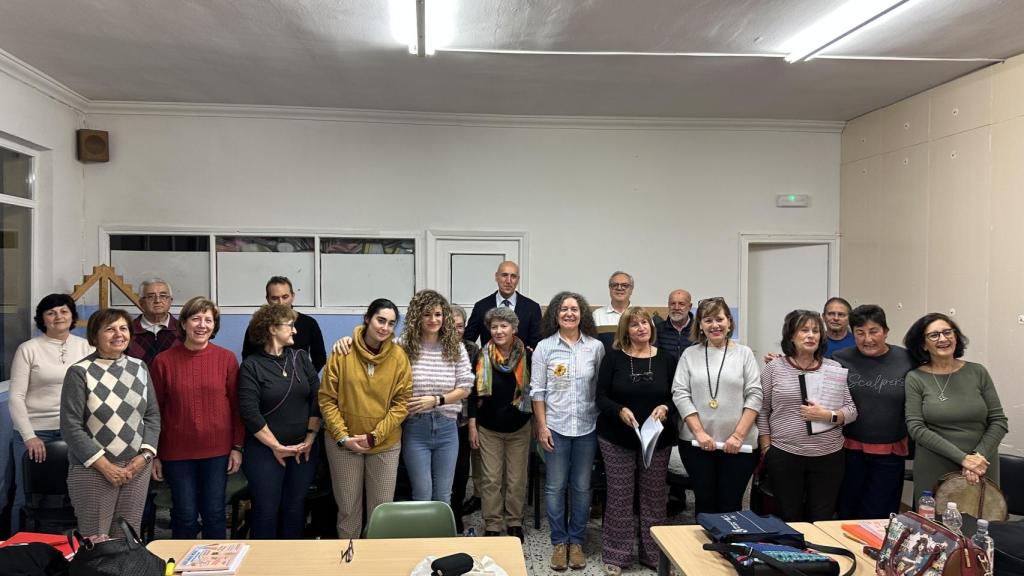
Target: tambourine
{"x": 982, "y": 500}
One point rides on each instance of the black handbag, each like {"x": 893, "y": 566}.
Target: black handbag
{"x": 32, "y": 559}
{"x": 452, "y": 565}
{"x": 765, "y": 545}
{"x": 116, "y": 557}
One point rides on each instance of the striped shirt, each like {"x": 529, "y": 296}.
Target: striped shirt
{"x": 432, "y": 375}
{"x": 780, "y": 412}
{"x": 564, "y": 377}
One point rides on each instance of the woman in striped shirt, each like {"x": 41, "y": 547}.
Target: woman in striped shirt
{"x": 805, "y": 466}
{"x": 441, "y": 378}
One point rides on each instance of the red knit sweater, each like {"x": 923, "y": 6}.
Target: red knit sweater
{"x": 198, "y": 396}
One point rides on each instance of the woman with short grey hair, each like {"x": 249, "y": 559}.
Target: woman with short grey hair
{"x": 499, "y": 423}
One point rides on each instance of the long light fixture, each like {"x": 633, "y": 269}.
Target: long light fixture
{"x": 842, "y": 22}
{"x": 423, "y": 29}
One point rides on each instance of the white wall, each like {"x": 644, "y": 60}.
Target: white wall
{"x": 665, "y": 205}
{"x": 47, "y": 126}
{"x": 931, "y": 191}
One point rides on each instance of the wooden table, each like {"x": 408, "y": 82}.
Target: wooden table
{"x": 390, "y": 557}
{"x": 681, "y": 546}
{"x": 835, "y": 531}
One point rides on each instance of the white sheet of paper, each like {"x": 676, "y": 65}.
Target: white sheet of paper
{"x": 648, "y": 435}
{"x": 826, "y": 389}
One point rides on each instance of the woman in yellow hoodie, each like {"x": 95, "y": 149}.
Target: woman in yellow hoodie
{"x": 363, "y": 399}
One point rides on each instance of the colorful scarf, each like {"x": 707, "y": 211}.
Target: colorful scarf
{"x": 491, "y": 358}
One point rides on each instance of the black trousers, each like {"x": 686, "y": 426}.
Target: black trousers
{"x": 461, "y": 477}
{"x": 718, "y": 479}
{"x": 805, "y": 487}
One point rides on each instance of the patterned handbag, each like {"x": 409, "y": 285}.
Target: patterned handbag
{"x": 916, "y": 546}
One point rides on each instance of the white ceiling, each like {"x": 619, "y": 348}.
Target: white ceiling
{"x": 341, "y": 54}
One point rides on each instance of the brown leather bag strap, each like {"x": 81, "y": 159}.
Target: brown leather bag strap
{"x": 981, "y": 498}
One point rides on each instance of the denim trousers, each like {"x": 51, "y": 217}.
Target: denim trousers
{"x": 872, "y": 485}
{"x": 278, "y": 492}
{"x": 430, "y": 448}
{"x": 197, "y": 490}
{"x": 568, "y": 467}
{"x": 19, "y": 449}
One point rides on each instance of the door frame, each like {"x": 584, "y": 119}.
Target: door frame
{"x": 748, "y": 240}
{"x": 523, "y": 237}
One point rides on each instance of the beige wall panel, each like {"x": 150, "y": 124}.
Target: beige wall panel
{"x": 958, "y": 232}
{"x": 1008, "y": 89}
{"x": 860, "y": 183}
{"x": 903, "y": 235}
{"x": 1006, "y": 288}
{"x": 862, "y": 137}
{"x": 961, "y": 105}
{"x": 906, "y": 123}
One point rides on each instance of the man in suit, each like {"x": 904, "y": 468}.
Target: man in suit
{"x": 528, "y": 311}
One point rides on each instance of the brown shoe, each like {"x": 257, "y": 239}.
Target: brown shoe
{"x": 560, "y": 557}
{"x": 577, "y": 559}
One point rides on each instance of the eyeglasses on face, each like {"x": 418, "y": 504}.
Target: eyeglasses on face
{"x": 288, "y": 324}
{"x": 157, "y": 297}
{"x": 948, "y": 334}
{"x": 620, "y": 285}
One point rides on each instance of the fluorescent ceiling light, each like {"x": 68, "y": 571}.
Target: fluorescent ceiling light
{"x": 437, "y": 20}
{"x": 852, "y": 16}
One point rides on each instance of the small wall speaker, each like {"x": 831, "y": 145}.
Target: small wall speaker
{"x": 93, "y": 145}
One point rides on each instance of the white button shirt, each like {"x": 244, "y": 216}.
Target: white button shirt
{"x": 564, "y": 377}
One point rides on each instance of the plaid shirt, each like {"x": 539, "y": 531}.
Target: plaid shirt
{"x": 145, "y": 345}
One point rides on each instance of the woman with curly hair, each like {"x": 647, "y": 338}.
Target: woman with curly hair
{"x": 277, "y": 397}
{"x": 441, "y": 378}
{"x": 563, "y": 379}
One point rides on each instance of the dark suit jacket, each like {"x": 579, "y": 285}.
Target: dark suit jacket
{"x": 527, "y": 311}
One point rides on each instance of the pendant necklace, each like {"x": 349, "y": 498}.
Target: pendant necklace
{"x": 283, "y": 366}
{"x": 649, "y": 375}
{"x": 942, "y": 389}
{"x": 718, "y": 379}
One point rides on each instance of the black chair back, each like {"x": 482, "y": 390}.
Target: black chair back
{"x": 47, "y": 507}
{"x": 50, "y": 477}
{"x": 1011, "y": 482}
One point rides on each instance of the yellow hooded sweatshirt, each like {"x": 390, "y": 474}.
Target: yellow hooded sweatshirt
{"x": 364, "y": 393}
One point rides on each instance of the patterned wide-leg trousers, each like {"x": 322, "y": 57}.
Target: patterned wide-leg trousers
{"x": 617, "y": 536}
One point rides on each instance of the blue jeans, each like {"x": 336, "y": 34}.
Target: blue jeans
{"x": 430, "y": 448}
{"x": 569, "y": 467}
{"x": 278, "y": 492}
{"x": 197, "y": 489}
{"x": 18, "y": 448}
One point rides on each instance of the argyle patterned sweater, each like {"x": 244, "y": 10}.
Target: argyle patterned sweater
{"x": 108, "y": 408}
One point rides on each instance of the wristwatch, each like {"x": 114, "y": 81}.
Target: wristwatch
{"x": 147, "y": 456}
{"x": 341, "y": 443}
{"x": 835, "y": 417}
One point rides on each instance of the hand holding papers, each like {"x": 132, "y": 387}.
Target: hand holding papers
{"x": 824, "y": 388}
{"x": 648, "y": 435}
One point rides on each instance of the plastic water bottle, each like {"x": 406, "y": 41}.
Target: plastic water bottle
{"x": 982, "y": 540}
{"x": 952, "y": 519}
{"x": 926, "y": 505}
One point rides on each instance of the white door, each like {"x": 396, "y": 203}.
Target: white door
{"x": 462, "y": 266}
{"x": 782, "y": 277}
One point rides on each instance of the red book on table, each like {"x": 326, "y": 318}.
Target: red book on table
{"x": 58, "y": 541}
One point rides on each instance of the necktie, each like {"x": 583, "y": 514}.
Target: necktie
{"x": 506, "y": 303}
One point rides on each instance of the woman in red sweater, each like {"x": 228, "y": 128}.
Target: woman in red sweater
{"x": 196, "y": 385}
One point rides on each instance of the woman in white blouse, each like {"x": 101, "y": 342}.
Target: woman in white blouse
{"x": 37, "y": 374}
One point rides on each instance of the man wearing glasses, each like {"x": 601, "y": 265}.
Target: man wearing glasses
{"x": 155, "y": 330}
{"x": 606, "y": 318}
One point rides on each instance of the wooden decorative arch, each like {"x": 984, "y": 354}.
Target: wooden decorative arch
{"x": 106, "y": 276}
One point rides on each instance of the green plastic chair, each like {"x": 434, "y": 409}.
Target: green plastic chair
{"x": 411, "y": 520}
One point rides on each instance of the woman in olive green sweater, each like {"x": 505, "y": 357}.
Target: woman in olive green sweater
{"x": 953, "y": 411}
{"x": 363, "y": 397}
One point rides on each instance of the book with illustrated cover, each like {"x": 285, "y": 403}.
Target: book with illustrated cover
{"x": 212, "y": 559}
